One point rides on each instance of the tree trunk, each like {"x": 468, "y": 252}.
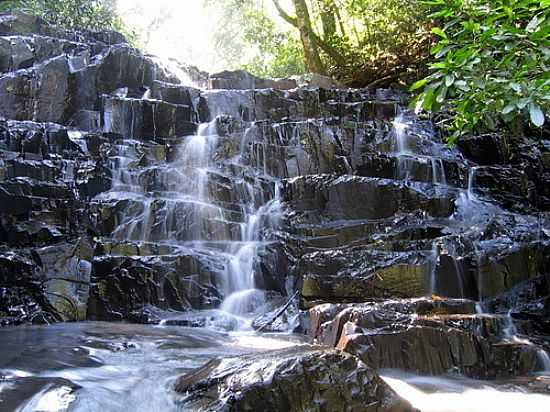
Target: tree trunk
{"x": 311, "y": 42}
{"x": 328, "y": 18}
{"x": 311, "y": 49}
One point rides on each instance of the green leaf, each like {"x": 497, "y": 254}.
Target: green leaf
{"x": 417, "y": 85}
{"x": 449, "y": 80}
{"x": 441, "y": 95}
{"x": 462, "y": 85}
{"x": 438, "y": 31}
{"x": 428, "y": 99}
{"x": 522, "y": 103}
{"x": 515, "y": 87}
{"x": 509, "y": 108}
{"x": 443, "y": 52}
{"x": 533, "y": 25}
{"x": 536, "y": 114}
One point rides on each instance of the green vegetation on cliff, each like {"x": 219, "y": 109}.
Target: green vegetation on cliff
{"x": 484, "y": 62}
{"x": 490, "y": 67}
{"x": 94, "y": 15}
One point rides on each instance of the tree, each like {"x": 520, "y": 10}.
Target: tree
{"x": 249, "y": 38}
{"x": 356, "y": 41}
{"x": 310, "y": 41}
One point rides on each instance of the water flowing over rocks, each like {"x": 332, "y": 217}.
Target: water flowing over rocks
{"x": 127, "y": 195}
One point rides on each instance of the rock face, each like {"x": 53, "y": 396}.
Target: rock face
{"x": 125, "y": 194}
{"x": 427, "y": 337}
{"x": 314, "y": 380}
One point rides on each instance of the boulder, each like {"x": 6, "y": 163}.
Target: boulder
{"x": 293, "y": 380}
{"x": 241, "y": 80}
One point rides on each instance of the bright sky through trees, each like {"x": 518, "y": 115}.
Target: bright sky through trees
{"x": 181, "y": 29}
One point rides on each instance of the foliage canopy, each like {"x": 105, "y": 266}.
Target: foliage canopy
{"x": 356, "y": 41}
{"x": 490, "y": 65}
{"x": 94, "y": 15}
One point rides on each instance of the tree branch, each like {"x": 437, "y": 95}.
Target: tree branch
{"x": 286, "y": 17}
{"x": 329, "y": 50}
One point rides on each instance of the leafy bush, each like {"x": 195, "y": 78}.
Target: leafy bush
{"x": 386, "y": 39}
{"x": 491, "y": 64}
{"x": 7, "y": 5}
{"x": 91, "y": 15}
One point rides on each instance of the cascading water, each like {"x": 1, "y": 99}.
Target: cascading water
{"x": 415, "y": 149}
{"x": 420, "y": 159}
{"x": 544, "y": 360}
{"x": 241, "y": 295}
{"x": 178, "y": 203}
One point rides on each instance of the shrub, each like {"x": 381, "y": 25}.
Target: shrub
{"x": 490, "y": 64}
{"x": 92, "y": 15}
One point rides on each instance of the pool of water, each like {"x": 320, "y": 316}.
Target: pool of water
{"x": 112, "y": 367}
{"x": 458, "y": 394}
{"x": 96, "y": 366}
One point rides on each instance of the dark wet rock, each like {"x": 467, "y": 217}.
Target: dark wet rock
{"x": 285, "y": 317}
{"x": 436, "y": 339}
{"x": 500, "y": 270}
{"x": 421, "y": 169}
{"x": 355, "y": 274}
{"x": 530, "y": 301}
{"x": 15, "y": 53}
{"x": 66, "y": 271}
{"x": 291, "y": 380}
{"x": 351, "y": 197}
{"x": 146, "y": 119}
{"x": 175, "y": 94}
{"x": 123, "y": 284}
{"x": 24, "y": 392}
{"x": 321, "y": 314}
{"x": 486, "y": 149}
{"x": 242, "y": 80}
{"x": 510, "y": 186}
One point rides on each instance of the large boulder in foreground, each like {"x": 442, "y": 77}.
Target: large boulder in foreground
{"x": 293, "y": 380}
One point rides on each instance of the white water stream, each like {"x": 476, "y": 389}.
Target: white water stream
{"x": 463, "y": 395}
{"x": 186, "y": 202}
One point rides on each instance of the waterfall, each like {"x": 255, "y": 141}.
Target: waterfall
{"x": 242, "y": 296}
{"x": 400, "y": 131}
{"x": 438, "y": 172}
{"x": 213, "y": 196}
{"x": 544, "y": 360}
{"x": 434, "y": 258}
{"x": 459, "y": 276}
{"x": 510, "y": 331}
{"x": 471, "y": 182}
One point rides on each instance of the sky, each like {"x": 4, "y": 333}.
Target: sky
{"x": 183, "y": 29}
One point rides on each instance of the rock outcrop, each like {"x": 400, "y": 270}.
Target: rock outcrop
{"x": 303, "y": 380}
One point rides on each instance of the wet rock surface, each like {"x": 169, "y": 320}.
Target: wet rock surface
{"x": 429, "y": 337}
{"x": 313, "y": 380}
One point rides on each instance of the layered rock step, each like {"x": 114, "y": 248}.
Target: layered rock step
{"x": 428, "y": 336}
